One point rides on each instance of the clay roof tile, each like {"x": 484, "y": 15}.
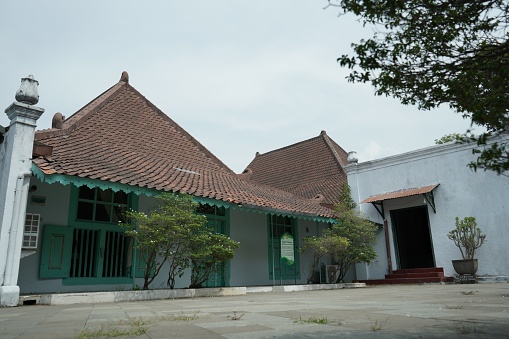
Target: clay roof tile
{"x": 307, "y": 168}
{"x": 121, "y": 136}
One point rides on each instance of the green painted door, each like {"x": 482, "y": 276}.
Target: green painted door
{"x": 279, "y": 268}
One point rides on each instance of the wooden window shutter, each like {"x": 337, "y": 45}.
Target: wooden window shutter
{"x": 56, "y": 252}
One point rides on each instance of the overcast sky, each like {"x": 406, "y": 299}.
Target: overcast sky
{"x": 240, "y": 76}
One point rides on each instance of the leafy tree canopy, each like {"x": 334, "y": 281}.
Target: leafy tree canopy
{"x": 165, "y": 234}
{"x": 209, "y": 253}
{"x": 359, "y": 232}
{"x": 433, "y": 52}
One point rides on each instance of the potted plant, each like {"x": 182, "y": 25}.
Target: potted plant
{"x": 468, "y": 237}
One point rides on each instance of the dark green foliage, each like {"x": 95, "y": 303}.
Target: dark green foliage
{"x": 346, "y": 243}
{"x": 356, "y": 229}
{"x": 449, "y": 138}
{"x": 435, "y": 52}
{"x": 313, "y": 245}
{"x": 331, "y": 245}
{"x": 165, "y": 234}
{"x": 209, "y": 253}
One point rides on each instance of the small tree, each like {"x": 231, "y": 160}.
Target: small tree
{"x": 359, "y": 232}
{"x": 209, "y": 253}
{"x": 312, "y": 245}
{"x": 335, "y": 246}
{"x": 330, "y": 245}
{"x": 165, "y": 234}
{"x": 467, "y": 236}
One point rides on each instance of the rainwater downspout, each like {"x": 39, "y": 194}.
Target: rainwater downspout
{"x": 15, "y": 241}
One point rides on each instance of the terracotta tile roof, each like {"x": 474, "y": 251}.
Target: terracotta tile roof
{"x": 400, "y": 194}
{"x": 122, "y": 137}
{"x": 307, "y": 168}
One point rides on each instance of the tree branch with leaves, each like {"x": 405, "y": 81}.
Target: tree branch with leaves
{"x": 165, "y": 234}
{"x": 435, "y": 52}
{"x": 359, "y": 232}
{"x": 209, "y": 253}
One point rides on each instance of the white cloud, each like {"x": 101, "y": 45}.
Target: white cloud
{"x": 373, "y": 151}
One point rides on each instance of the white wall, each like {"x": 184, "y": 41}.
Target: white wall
{"x": 250, "y": 263}
{"x": 462, "y": 193}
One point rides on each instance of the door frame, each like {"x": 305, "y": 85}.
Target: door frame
{"x": 395, "y": 236}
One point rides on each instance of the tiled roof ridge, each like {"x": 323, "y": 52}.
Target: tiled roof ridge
{"x": 81, "y": 115}
{"x": 184, "y": 132}
{"x": 331, "y": 145}
{"x": 287, "y": 147}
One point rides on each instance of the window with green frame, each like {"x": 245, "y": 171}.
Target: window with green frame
{"x": 95, "y": 204}
{"x": 93, "y": 249}
{"x": 279, "y": 268}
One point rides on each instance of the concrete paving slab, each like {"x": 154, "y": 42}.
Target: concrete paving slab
{"x": 418, "y": 311}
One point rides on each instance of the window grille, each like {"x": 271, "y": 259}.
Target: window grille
{"x": 31, "y": 233}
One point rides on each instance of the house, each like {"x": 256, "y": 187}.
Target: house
{"x": 417, "y": 196}
{"x": 118, "y": 152}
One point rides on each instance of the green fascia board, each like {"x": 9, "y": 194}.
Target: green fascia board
{"x": 115, "y": 187}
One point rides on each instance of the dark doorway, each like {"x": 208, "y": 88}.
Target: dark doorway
{"x": 413, "y": 237}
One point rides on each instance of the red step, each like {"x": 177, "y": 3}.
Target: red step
{"x": 415, "y": 275}
{"x": 420, "y": 270}
{"x": 412, "y": 276}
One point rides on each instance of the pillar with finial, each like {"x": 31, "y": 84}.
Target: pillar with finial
{"x": 15, "y": 173}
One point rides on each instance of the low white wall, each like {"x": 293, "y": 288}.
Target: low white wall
{"x": 124, "y": 296}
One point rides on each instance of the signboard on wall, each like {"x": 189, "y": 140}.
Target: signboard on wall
{"x": 287, "y": 248}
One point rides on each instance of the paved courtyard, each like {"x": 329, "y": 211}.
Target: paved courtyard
{"x": 425, "y": 311}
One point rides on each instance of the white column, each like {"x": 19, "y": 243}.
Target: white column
{"x": 14, "y": 180}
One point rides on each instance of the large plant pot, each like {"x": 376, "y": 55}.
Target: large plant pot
{"x": 465, "y": 266}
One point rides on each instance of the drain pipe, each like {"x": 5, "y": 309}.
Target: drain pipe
{"x": 15, "y": 234}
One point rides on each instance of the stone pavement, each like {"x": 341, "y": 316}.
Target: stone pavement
{"x": 396, "y": 311}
